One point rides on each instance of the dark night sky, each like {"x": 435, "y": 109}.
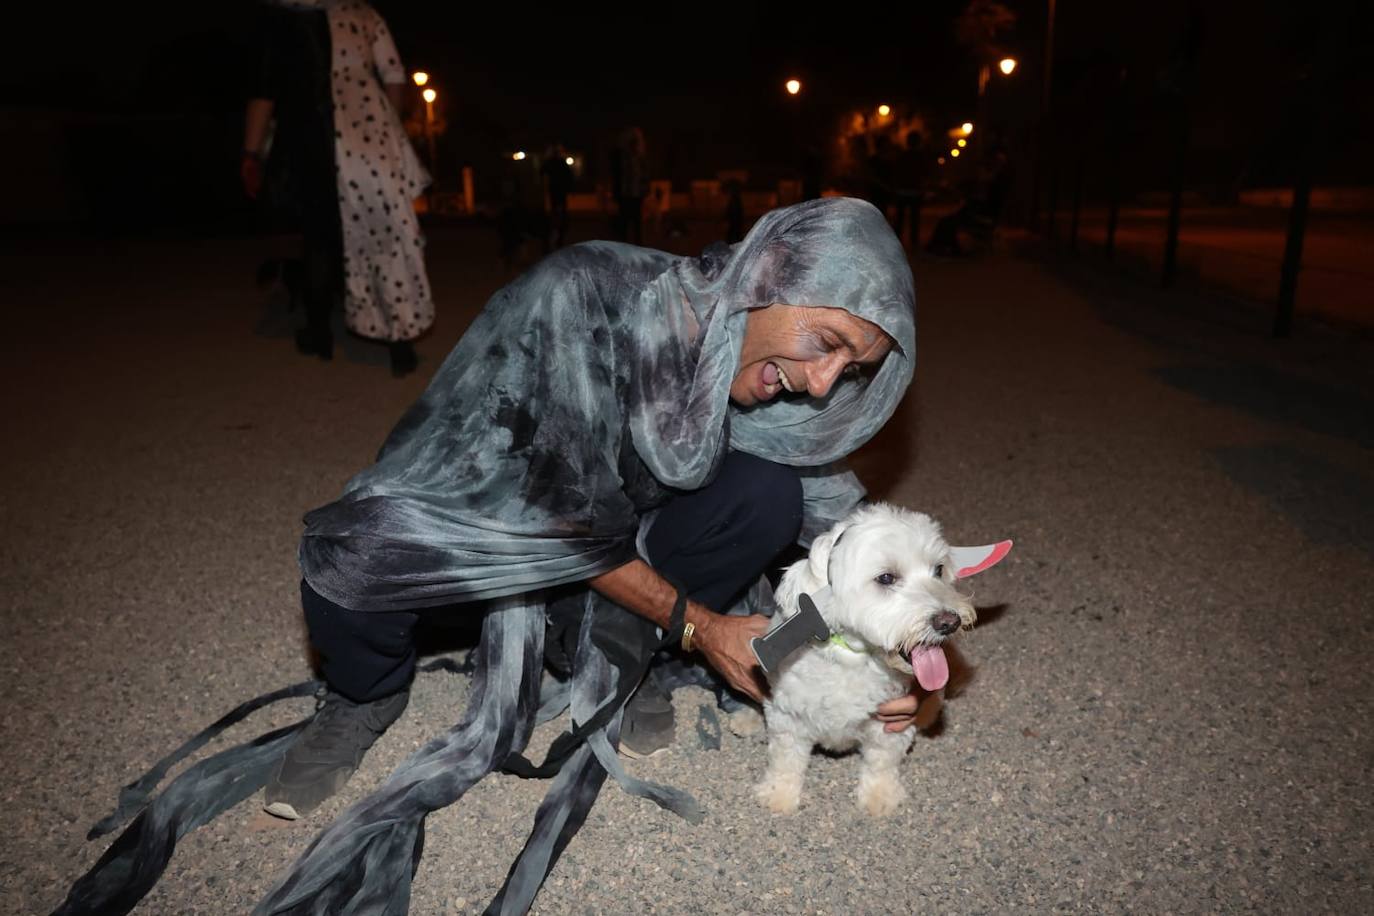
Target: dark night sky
{"x": 704, "y": 78}
{"x": 587, "y": 55}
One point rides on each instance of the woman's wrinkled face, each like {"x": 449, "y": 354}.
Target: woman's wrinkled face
{"x": 803, "y": 349}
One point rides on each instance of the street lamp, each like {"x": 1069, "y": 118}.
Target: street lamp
{"x": 519, "y": 156}
{"x": 967, "y": 128}
{"x": 884, "y": 110}
{"x": 793, "y": 87}
{"x": 954, "y": 152}
{"x": 1006, "y": 65}
{"x": 429, "y": 95}
{"x": 420, "y": 77}
{"x": 962, "y": 143}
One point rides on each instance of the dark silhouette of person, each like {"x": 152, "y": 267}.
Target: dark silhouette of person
{"x": 734, "y": 212}
{"x": 294, "y": 183}
{"x": 628, "y": 185}
{"x": 981, "y": 209}
{"x": 558, "y": 181}
{"x": 909, "y": 178}
{"x": 880, "y": 166}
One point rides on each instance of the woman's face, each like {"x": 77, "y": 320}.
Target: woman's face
{"x": 803, "y": 349}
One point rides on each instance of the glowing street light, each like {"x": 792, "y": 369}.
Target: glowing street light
{"x": 962, "y": 143}
{"x": 967, "y": 128}
{"x": 569, "y": 160}
{"x": 1006, "y": 65}
{"x": 793, "y": 87}
{"x": 941, "y": 160}
{"x": 954, "y": 152}
{"x": 884, "y": 110}
{"x": 429, "y": 95}
{"x": 519, "y": 156}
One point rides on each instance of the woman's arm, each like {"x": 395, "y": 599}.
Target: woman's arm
{"x": 722, "y": 638}
{"x": 255, "y": 123}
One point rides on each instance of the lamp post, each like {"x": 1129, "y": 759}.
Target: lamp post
{"x": 797, "y": 125}
{"x": 429, "y": 95}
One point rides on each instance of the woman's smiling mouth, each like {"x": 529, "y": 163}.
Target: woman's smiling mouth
{"x": 775, "y": 378}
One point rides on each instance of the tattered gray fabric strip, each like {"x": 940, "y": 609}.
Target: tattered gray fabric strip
{"x": 363, "y": 862}
{"x": 576, "y": 786}
{"x": 595, "y": 684}
{"x": 132, "y": 865}
{"x": 134, "y": 797}
{"x": 559, "y": 817}
{"x": 675, "y": 800}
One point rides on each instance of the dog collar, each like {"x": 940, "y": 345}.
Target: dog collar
{"x": 838, "y": 640}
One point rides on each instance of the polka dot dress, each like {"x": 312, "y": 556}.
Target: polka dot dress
{"x": 386, "y": 291}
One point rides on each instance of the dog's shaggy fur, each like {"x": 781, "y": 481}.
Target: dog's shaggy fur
{"x": 893, "y": 603}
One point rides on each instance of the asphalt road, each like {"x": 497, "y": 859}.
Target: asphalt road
{"x": 1166, "y": 705}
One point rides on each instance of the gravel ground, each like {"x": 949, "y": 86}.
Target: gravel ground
{"x": 1166, "y": 706}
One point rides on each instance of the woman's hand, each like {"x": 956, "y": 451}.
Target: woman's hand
{"x": 722, "y": 639}
{"x": 900, "y": 713}
{"x": 917, "y": 708}
{"x": 724, "y": 642}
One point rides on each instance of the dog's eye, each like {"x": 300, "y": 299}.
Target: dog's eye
{"x": 939, "y": 571}
{"x": 885, "y": 579}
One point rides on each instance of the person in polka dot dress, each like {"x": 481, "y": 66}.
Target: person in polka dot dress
{"x": 386, "y": 291}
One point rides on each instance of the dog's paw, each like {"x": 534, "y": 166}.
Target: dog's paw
{"x": 880, "y": 796}
{"x": 745, "y": 723}
{"x": 781, "y": 796}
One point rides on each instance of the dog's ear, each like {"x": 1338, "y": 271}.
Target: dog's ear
{"x": 969, "y": 561}
{"x": 820, "y": 553}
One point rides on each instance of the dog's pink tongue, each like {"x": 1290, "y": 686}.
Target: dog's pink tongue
{"x": 929, "y": 665}
{"x": 770, "y": 374}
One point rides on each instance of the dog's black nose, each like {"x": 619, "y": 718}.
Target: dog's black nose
{"x": 945, "y": 622}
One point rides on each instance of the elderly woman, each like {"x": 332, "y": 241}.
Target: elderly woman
{"x": 605, "y": 465}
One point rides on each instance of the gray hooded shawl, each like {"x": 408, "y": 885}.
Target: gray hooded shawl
{"x": 590, "y": 388}
{"x": 583, "y": 396}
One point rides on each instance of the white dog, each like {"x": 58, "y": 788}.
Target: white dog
{"x": 891, "y": 604}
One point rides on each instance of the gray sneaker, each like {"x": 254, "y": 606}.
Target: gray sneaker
{"x": 648, "y": 728}
{"x": 328, "y": 751}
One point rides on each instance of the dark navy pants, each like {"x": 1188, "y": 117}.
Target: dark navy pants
{"x": 715, "y": 541}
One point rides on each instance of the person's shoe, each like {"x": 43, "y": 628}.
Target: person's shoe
{"x": 328, "y": 751}
{"x": 403, "y": 358}
{"x": 648, "y": 728}
{"x": 310, "y": 343}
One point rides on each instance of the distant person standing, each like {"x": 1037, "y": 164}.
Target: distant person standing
{"x": 910, "y": 179}
{"x": 558, "y": 182}
{"x": 879, "y": 169}
{"x": 981, "y": 210}
{"x": 734, "y": 212}
{"x": 331, "y": 76}
{"x": 628, "y": 177}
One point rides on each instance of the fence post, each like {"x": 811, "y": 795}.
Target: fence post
{"x": 1185, "y": 73}
{"x": 1077, "y": 203}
